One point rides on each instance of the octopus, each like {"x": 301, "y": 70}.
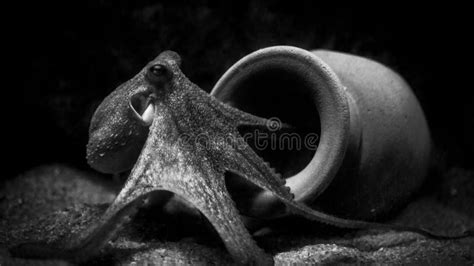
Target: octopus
{"x": 177, "y": 139}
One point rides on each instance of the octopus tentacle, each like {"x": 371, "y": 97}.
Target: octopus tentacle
{"x": 301, "y": 209}
{"x": 245, "y": 161}
{"x": 242, "y": 118}
{"x": 252, "y": 167}
{"x": 208, "y": 194}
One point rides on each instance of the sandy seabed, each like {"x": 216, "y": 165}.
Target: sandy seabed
{"x": 53, "y": 202}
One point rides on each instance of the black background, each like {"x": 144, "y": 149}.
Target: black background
{"x": 67, "y": 56}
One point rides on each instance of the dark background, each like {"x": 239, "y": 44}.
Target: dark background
{"x": 67, "y": 56}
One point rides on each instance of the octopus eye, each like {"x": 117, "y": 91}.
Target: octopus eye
{"x": 158, "y": 70}
{"x": 158, "y": 73}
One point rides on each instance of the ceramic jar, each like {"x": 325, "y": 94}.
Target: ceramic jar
{"x": 374, "y": 144}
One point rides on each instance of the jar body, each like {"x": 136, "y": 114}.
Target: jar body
{"x": 389, "y": 149}
{"x": 374, "y": 144}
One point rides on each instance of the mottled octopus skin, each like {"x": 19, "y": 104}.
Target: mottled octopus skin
{"x": 174, "y": 158}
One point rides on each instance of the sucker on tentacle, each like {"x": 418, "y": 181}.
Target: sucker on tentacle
{"x": 183, "y": 153}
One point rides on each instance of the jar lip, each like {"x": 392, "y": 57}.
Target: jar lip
{"x": 327, "y": 95}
